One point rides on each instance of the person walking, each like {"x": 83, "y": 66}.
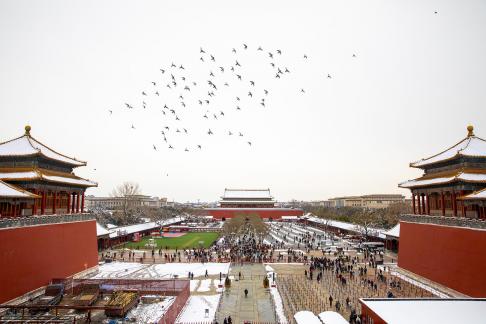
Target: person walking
{"x": 246, "y": 292}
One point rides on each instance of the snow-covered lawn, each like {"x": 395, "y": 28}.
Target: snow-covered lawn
{"x": 195, "y": 308}
{"x": 158, "y": 271}
{"x": 150, "y": 313}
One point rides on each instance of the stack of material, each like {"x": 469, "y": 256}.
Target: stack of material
{"x": 88, "y": 295}
{"x": 121, "y": 302}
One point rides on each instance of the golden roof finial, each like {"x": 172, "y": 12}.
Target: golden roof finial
{"x": 470, "y": 130}
{"x": 27, "y": 130}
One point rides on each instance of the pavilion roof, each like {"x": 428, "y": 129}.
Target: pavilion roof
{"x": 271, "y": 201}
{"x": 30, "y": 174}
{"x": 471, "y": 146}
{"x": 431, "y": 179}
{"x": 26, "y": 145}
{"x": 10, "y": 191}
{"x": 477, "y": 195}
{"x": 247, "y": 194}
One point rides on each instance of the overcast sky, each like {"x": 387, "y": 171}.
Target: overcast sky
{"x": 418, "y": 79}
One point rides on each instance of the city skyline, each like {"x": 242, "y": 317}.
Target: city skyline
{"x": 405, "y": 82}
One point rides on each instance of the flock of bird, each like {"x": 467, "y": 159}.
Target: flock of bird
{"x": 178, "y": 83}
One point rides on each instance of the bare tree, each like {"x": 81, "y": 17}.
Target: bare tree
{"x": 126, "y": 191}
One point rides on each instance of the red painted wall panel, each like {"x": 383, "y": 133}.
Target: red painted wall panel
{"x": 452, "y": 256}
{"x": 31, "y": 256}
{"x": 274, "y": 213}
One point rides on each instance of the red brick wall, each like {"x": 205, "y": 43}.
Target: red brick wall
{"x": 367, "y": 314}
{"x": 31, "y": 256}
{"x": 274, "y": 213}
{"x": 452, "y": 256}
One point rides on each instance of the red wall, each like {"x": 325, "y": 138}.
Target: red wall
{"x": 274, "y": 213}
{"x": 452, "y": 256}
{"x": 31, "y": 256}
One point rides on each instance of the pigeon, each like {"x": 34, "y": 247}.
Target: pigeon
{"x": 245, "y": 46}
{"x": 201, "y": 50}
{"x": 212, "y": 58}
{"x": 279, "y": 52}
{"x": 252, "y": 83}
{"x": 249, "y": 143}
{"x": 210, "y": 132}
{"x": 154, "y": 83}
{"x": 111, "y": 112}
{"x": 199, "y": 147}
{"x": 155, "y": 148}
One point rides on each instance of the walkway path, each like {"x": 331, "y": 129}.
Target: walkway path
{"x": 257, "y": 307}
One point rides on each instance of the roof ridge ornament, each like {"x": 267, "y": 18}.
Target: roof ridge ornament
{"x": 27, "y": 130}
{"x": 470, "y": 131}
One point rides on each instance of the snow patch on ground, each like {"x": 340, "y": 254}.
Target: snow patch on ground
{"x": 204, "y": 285}
{"x": 194, "y": 284}
{"x": 195, "y": 309}
{"x": 150, "y": 313}
{"x": 133, "y": 270}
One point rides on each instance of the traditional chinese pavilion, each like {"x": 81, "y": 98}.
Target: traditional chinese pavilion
{"x": 247, "y": 198}
{"x": 249, "y": 202}
{"x": 453, "y": 182}
{"x": 36, "y": 180}
{"x": 444, "y": 239}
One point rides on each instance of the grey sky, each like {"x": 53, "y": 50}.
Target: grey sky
{"x": 418, "y": 79}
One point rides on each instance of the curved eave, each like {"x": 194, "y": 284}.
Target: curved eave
{"x": 69, "y": 161}
{"x": 438, "y": 183}
{"x": 477, "y": 195}
{"x": 22, "y": 194}
{"x": 422, "y": 164}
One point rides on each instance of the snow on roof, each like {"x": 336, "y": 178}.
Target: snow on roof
{"x": 376, "y": 232}
{"x": 247, "y": 193}
{"x": 394, "y": 231}
{"x": 100, "y": 230}
{"x": 27, "y": 145}
{"x": 471, "y": 146}
{"x": 330, "y": 317}
{"x": 41, "y": 175}
{"x": 306, "y": 317}
{"x": 424, "y": 311}
{"x": 226, "y": 201}
{"x": 480, "y": 194}
{"x": 130, "y": 229}
{"x": 290, "y": 217}
{"x": 11, "y": 191}
{"x": 460, "y": 176}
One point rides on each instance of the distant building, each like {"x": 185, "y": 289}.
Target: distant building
{"x": 375, "y": 201}
{"x": 132, "y": 201}
{"x": 249, "y": 202}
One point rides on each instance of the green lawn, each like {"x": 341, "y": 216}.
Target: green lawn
{"x": 187, "y": 241}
